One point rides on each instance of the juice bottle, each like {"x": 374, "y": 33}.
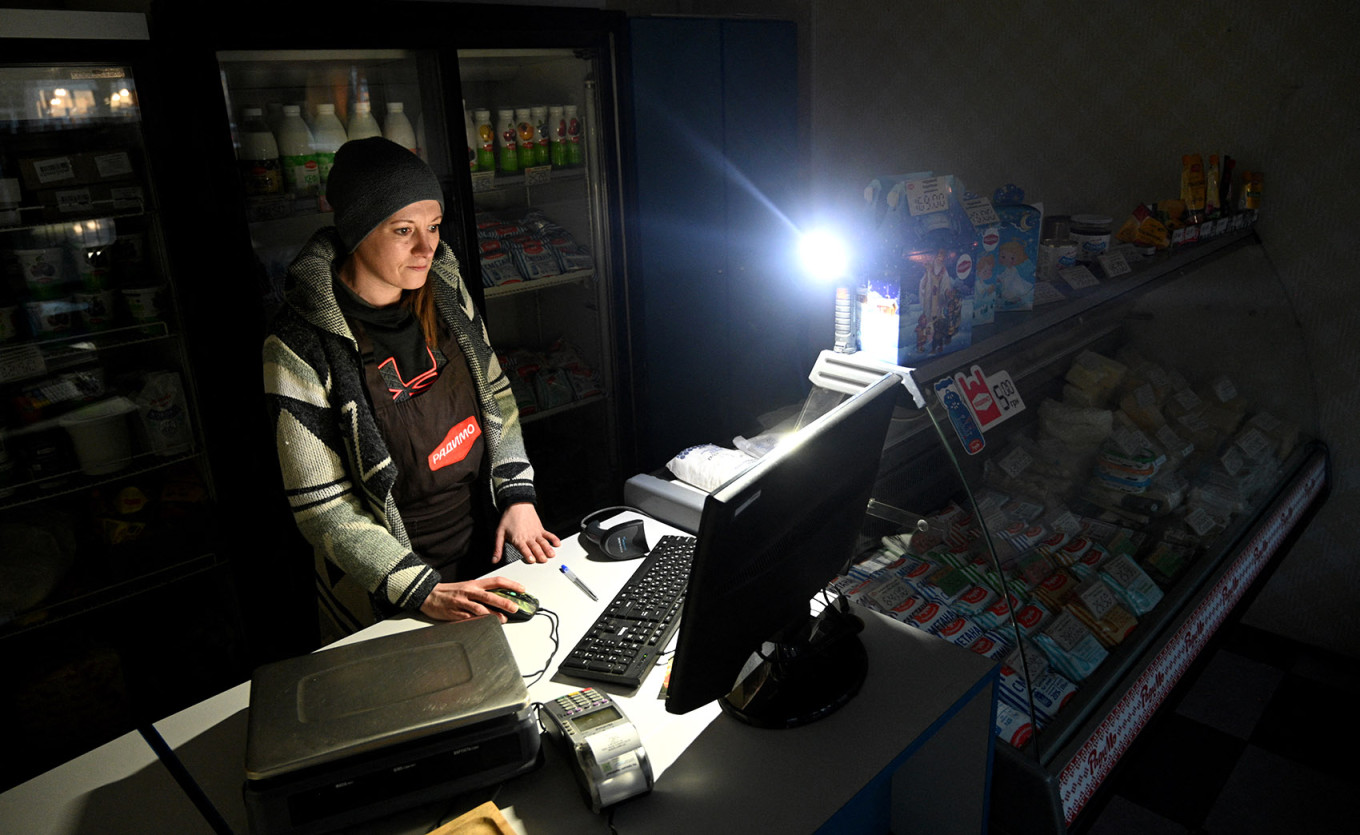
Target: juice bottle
{"x": 300, "y": 168}
{"x": 398, "y": 128}
{"x": 526, "y": 135}
{"x": 258, "y": 156}
{"x": 486, "y": 140}
{"x": 574, "y": 130}
{"x": 327, "y": 138}
{"x": 507, "y": 138}
{"x": 361, "y": 122}
{"x": 557, "y": 136}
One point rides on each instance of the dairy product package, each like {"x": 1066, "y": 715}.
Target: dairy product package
{"x": 707, "y": 466}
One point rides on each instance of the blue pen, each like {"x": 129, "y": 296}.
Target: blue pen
{"x": 577, "y": 580}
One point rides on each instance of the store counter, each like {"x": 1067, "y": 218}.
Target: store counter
{"x": 911, "y": 752}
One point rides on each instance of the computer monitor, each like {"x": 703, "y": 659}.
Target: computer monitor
{"x": 768, "y": 541}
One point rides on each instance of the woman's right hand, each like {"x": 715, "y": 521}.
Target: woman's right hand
{"x": 470, "y": 599}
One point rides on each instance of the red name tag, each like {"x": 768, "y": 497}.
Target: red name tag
{"x": 455, "y": 446}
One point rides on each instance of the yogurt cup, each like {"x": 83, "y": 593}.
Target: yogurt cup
{"x": 11, "y": 327}
{"x": 51, "y": 317}
{"x": 95, "y": 308}
{"x": 144, "y": 303}
{"x": 44, "y": 271}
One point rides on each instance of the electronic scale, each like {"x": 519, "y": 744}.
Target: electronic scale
{"x": 349, "y": 734}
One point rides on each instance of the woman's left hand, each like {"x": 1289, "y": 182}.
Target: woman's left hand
{"x": 520, "y": 526}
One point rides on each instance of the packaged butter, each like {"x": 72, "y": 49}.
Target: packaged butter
{"x": 1070, "y": 647}
{"x": 1134, "y": 588}
{"x": 1097, "y": 607}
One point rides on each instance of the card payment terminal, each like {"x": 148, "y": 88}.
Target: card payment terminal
{"x": 604, "y": 747}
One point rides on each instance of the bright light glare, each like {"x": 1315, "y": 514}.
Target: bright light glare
{"x": 824, "y": 254}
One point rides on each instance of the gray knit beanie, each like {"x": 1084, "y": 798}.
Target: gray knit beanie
{"x": 371, "y": 180}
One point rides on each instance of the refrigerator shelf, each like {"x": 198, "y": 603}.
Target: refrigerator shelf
{"x": 27, "y": 493}
{"x": 534, "y": 286}
{"x": 557, "y": 410}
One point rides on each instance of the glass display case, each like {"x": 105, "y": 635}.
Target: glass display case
{"x": 1091, "y": 488}
{"x": 106, "y": 500}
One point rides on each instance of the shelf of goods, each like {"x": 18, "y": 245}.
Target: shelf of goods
{"x": 1151, "y": 460}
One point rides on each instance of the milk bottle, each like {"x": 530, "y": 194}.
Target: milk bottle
{"x": 507, "y": 141}
{"x": 539, "y": 115}
{"x": 327, "y": 138}
{"x": 486, "y": 140}
{"x": 574, "y": 131}
{"x": 362, "y": 125}
{"x": 258, "y": 156}
{"x": 527, "y": 136}
{"x": 398, "y": 128}
{"x": 300, "y": 168}
{"x": 557, "y": 136}
{"x": 472, "y": 141}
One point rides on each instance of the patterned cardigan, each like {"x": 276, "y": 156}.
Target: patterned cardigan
{"x": 337, "y": 472}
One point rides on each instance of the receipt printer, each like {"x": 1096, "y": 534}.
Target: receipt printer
{"x": 349, "y": 734}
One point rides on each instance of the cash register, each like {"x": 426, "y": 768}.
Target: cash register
{"x": 353, "y": 733}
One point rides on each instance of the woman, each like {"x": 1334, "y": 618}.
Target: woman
{"x": 396, "y": 428}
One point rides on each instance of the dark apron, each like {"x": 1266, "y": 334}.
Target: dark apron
{"x": 435, "y": 440}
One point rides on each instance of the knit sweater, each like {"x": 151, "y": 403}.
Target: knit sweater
{"x": 337, "y": 472}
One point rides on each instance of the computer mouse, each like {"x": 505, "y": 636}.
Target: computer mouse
{"x": 527, "y": 603}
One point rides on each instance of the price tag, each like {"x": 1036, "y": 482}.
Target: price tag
{"x": 980, "y": 211}
{"x": 1096, "y": 597}
{"x": 928, "y": 196}
{"x": 1114, "y": 265}
{"x": 1224, "y": 390}
{"x": 21, "y": 363}
{"x": 1078, "y": 277}
{"x": 1167, "y": 437}
{"x": 1178, "y": 237}
{"x": 538, "y": 175}
{"x": 1222, "y": 226}
{"x": 1046, "y": 293}
{"x": 483, "y": 181}
{"x": 991, "y": 399}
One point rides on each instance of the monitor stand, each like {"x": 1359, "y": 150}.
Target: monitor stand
{"x": 815, "y": 668}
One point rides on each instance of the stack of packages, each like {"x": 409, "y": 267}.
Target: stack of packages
{"x": 527, "y": 248}
{"x": 1122, "y": 487}
{"x": 544, "y": 380}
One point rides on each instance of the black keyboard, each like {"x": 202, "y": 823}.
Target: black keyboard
{"x": 623, "y": 644}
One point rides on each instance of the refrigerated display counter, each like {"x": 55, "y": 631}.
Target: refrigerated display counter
{"x": 1094, "y": 487}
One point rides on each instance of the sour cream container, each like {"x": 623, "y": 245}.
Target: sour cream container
{"x": 1091, "y": 233}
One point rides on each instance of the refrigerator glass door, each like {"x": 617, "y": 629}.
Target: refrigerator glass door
{"x": 540, "y": 190}
{"x": 283, "y": 154}
{"x": 107, "y": 527}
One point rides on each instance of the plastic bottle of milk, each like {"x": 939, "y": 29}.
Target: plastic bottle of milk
{"x": 528, "y": 137}
{"x": 539, "y": 116}
{"x": 300, "y": 168}
{"x": 472, "y": 142}
{"x": 361, "y": 122}
{"x": 327, "y": 138}
{"x": 261, "y": 170}
{"x": 574, "y": 135}
{"x": 507, "y": 141}
{"x": 398, "y": 128}
{"x": 557, "y": 135}
{"x": 486, "y": 137}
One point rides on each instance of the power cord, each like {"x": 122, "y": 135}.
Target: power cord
{"x": 533, "y": 678}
